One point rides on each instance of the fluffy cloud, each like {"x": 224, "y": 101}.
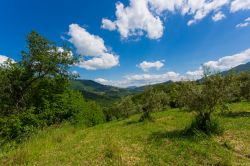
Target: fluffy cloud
{"x": 218, "y": 16}
{"x": 105, "y": 61}
{"x": 145, "y": 16}
{"x": 228, "y": 62}
{"x": 199, "y": 9}
{"x": 238, "y": 5}
{"x": 153, "y": 78}
{"x": 243, "y": 24}
{"x": 194, "y": 75}
{"x": 146, "y": 66}
{"x": 221, "y": 64}
{"x": 135, "y": 20}
{"x": 141, "y": 79}
{"x": 107, "y": 24}
{"x": 95, "y": 54}
{"x": 102, "y": 81}
{"x": 4, "y": 58}
{"x": 247, "y": 19}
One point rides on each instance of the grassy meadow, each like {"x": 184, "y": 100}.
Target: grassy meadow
{"x": 129, "y": 142}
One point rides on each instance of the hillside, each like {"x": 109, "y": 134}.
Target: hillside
{"x": 129, "y": 142}
{"x": 98, "y": 92}
{"x": 240, "y": 68}
{"x": 104, "y": 93}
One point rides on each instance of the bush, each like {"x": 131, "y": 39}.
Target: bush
{"x": 67, "y": 106}
{"x": 205, "y": 99}
{"x": 209, "y": 127}
{"x": 91, "y": 114}
{"x": 152, "y": 100}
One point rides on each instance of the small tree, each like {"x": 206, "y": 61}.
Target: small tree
{"x": 152, "y": 100}
{"x": 126, "y": 106}
{"x": 244, "y": 80}
{"x": 205, "y": 98}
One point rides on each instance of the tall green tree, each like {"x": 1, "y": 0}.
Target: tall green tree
{"x": 42, "y": 72}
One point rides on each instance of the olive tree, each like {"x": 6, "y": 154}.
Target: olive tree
{"x": 152, "y": 100}
{"x": 205, "y": 98}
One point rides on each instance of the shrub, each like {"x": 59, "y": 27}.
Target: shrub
{"x": 152, "y": 100}
{"x": 209, "y": 127}
{"x": 91, "y": 114}
{"x": 204, "y": 100}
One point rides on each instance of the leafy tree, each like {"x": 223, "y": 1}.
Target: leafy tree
{"x": 152, "y": 100}
{"x": 42, "y": 72}
{"x": 204, "y": 99}
{"x": 33, "y": 91}
{"x": 126, "y": 106}
{"x": 244, "y": 79}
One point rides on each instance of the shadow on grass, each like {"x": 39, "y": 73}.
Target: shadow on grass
{"x": 236, "y": 114}
{"x": 168, "y": 134}
{"x": 178, "y": 134}
{"x": 131, "y": 122}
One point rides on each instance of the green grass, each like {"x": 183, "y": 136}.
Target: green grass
{"x": 129, "y": 142}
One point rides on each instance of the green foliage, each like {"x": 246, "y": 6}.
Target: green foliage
{"x": 244, "y": 79}
{"x": 34, "y": 92}
{"x": 40, "y": 74}
{"x": 152, "y": 100}
{"x": 103, "y": 94}
{"x": 209, "y": 127}
{"x": 206, "y": 98}
{"x": 120, "y": 109}
{"x": 90, "y": 115}
{"x": 127, "y": 142}
{"x": 126, "y": 107}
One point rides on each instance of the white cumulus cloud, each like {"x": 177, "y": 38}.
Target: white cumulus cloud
{"x": 102, "y": 81}
{"x": 222, "y": 64}
{"x": 146, "y": 66}
{"x": 218, "y": 16}
{"x": 107, "y": 24}
{"x": 135, "y": 20}
{"x": 194, "y": 75}
{"x": 145, "y": 17}
{"x": 242, "y": 25}
{"x": 247, "y": 19}
{"x": 238, "y": 5}
{"x": 95, "y": 54}
{"x": 4, "y": 58}
{"x": 229, "y": 62}
{"x": 141, "y": 79}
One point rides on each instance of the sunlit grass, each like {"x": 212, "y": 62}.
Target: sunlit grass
{"x": 129, "y": 142}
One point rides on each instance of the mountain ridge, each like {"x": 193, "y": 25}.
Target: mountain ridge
{"x": 106, "y": 94}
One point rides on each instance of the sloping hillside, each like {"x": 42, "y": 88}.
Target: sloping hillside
{"x": 240, "y": 68}
{"x": 98, "y": 92}
{"x": 129, "y": 142}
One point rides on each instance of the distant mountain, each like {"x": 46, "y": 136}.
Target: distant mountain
{"x": 103, "y": 94}
{"x": 238, "y": 69}
{"x": 106, "y": 94}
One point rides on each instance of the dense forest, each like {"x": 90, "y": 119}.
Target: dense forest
{"x": 39, "y": 91}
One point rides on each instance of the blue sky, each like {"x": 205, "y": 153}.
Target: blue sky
{"x": 148, "y": 41}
